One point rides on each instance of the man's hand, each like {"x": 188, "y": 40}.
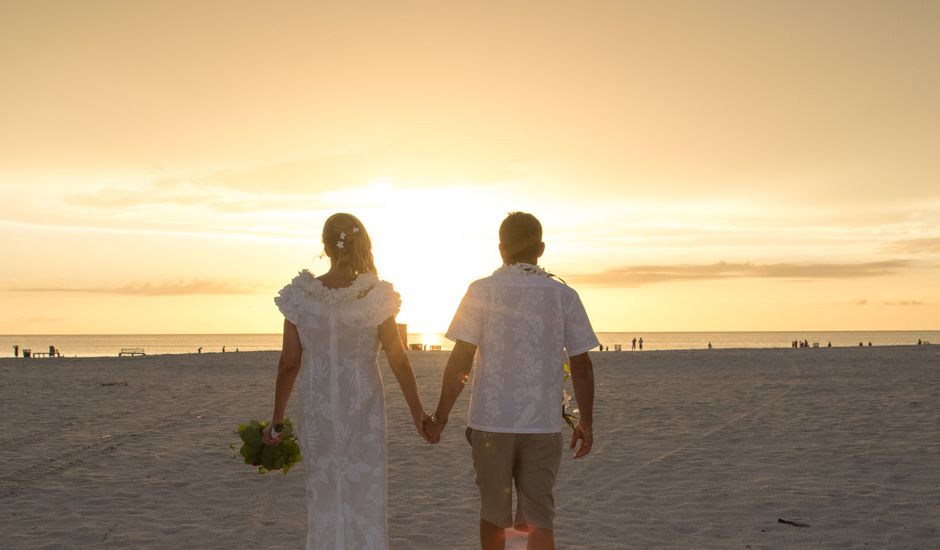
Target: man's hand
{"x": 585, "y": 433}
{"x": 432, "y": 430}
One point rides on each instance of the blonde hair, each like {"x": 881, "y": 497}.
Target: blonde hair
{"x": 347, "y": 243}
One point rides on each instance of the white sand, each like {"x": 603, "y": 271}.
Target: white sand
{"x": 695, "y": 449}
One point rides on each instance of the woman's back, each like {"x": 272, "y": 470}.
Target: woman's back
{"x": 342, "y": 423}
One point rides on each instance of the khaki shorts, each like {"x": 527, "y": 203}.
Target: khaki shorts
{"x": 529, "y": 460}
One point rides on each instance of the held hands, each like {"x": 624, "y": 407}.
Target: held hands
{"x": 432, "y": 430}
{"x": 585, "y": 433}
{"x": 420, "y": 422}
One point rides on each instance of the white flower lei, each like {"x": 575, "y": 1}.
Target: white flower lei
{"x": 523, "y": 269}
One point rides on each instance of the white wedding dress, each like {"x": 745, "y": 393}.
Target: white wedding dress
{"x": 342, "y": 424}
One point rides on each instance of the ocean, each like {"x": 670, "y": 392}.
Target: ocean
{"x": 102, "y": 345}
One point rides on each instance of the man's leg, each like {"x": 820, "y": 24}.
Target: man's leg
{"x": 491, "y": 536}
{"x": 492, "y": 463}
{"x": 541, "y": 539}
{"x": 538, "y": 459}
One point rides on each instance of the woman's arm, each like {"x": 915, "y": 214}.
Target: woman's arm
{"x": 287, "y": 368}
{"x": 401, "y": 366}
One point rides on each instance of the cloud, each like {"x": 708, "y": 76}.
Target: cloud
{"x": 167, "y": 288}
{"x": 41, "y": 319}
{"x": 915, "y": 246}
{"x": 633, "y": 276}
{"x": 862, "y": 302}
{"x": 183, "y": 193}
{"x": 905, "y": 303}
{"x": 305, "y": 183}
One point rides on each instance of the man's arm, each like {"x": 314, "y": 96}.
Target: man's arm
{"x": 582, "y": 378}
{"x": 455, "y": 377}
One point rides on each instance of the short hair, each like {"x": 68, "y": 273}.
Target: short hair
{"x": 520, "y": 234}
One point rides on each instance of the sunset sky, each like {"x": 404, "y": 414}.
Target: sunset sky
{"x": 167, "y": 166}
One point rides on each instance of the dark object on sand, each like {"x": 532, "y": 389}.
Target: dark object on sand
{"x": 793, "y": 523}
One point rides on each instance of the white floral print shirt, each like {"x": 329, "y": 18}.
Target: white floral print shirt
{"x": 525, "y": 325}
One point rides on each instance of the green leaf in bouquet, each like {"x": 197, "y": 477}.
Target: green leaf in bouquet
{"x": 570, "y": 419}
{"x": 287, "y": 431}
{"x": 280, "y": 458}
{"x": 267, "y": 457}
{"x": 250, "y": 454}
{"x": 250, "y": 434}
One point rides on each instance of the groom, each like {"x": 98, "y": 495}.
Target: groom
{"x": 523, "y": 323}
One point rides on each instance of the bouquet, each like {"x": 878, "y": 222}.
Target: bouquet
{"x": 571, "y": 418}
{"x": 268, "y": 458}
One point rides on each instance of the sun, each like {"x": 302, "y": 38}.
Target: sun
{"x": 431, "y": 339}
{"x": 429, "y": 249}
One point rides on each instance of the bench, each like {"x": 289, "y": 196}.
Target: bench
{"x": 131, "y": 352}
{"x": 51, "y": 353}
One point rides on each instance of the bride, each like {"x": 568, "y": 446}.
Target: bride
{"x": 334, "y": 326}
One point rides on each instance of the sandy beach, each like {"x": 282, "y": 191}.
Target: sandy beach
{"x": 695, "y": 449}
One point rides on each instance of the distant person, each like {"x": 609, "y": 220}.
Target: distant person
{"x": 223, "y": 349}
{"x": 199, "y": 350}
{"x": 918, "y": 342}
{"x": 16, "y": 349}
{"x": 606, "y": 348}
{"x": 634, "y": 343}
{"x": 51, "y": 351}
{"x": 869, "y": 344}
{"x": 641, "y": 343}
{"x": 860, "y": 345}
{"x": 236, "y": 350}
{"x": 829, "y": 345}
{"x": 600, "y": 347}
{"x": 709, "y": 345}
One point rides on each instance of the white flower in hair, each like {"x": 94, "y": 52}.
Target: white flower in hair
{"x": 340, "y": 244}
{"x": 342, "y": 236}
{"x": 355, "y": 229}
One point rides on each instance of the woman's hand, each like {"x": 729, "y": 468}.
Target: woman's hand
{"x": 420, "y": 421}
{"x": 267, "y": 438}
